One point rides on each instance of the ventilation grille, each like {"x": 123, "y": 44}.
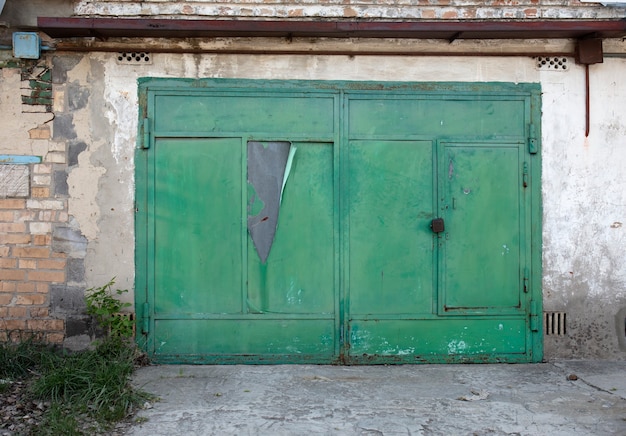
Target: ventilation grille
{"x": 128, "y": 316}
{"x": 134, "y": 58}
{"x": 555, "y": 323}
{"x": 551, "y": 63}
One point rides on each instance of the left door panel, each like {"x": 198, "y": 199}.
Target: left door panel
{"x": 214, "y": 299}
{"x": 197, "y": 226}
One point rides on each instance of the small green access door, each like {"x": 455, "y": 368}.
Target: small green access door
{"x": 333, "y": 222}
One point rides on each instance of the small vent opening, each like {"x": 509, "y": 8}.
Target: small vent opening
{"x": 555, "y": 323}
{"x": 134, "y": 58}
{"x": 551, "y": 63}
{"x": 128, "y": 317}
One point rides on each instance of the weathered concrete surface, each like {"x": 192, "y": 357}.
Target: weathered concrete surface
{"x": 535, "y": 399}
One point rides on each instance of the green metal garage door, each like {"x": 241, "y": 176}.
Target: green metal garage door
{"x": 325, "y": 222}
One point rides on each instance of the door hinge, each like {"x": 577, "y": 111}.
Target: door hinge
{"x": 146, "y": 131}
{"x": 534, "y": 316}
{"x": 145, "y": 328}
{"x": 525, "y": 175}
{"x": 533, "y": 144}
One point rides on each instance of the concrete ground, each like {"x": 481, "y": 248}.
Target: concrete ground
{"x": 501, "y": 399}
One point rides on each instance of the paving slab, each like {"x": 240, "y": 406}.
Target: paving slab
{"x": 499, "y": 399}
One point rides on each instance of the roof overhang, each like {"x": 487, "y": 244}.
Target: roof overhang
{"x": 104, "y": 28}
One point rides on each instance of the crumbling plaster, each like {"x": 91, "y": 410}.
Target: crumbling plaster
{"x": 15, "y": 124}
{"x": 584, "y": 197}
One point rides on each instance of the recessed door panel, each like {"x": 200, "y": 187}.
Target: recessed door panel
{"x": 197, "y": 226}
{"x": 390, "y": 244}
{"x": 482, "y": 256}
{"x": 299, "y": 274}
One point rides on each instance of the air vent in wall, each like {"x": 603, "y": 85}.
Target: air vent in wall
{"x": 555, "y": 323}
{"x": 551, "y": 63}
{"x": 134, "y": 58}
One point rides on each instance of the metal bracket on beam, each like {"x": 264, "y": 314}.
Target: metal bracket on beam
{"x": 588, "y": 51}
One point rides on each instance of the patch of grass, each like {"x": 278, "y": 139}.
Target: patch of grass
{"x": 18, "y": 360}
{"x": 85, "y": 390}
{"x": 58, "y": 420}
{"x": 98, "y": 381}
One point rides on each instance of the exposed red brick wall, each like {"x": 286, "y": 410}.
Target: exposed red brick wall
{"x": 28, "y": 265}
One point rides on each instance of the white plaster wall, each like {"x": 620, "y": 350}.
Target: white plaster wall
{"x": 584, "y": 195}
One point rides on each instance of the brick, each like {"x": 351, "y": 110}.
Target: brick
{"x": 42, "y": 288}
{"x": 4, "y": 312}
{"x": 16, "y": 312}
{"x": 47, "y": 276}
{"x": 14, "y": 238}
{"x": 8, "y": 263}
{"x": 4, "y": 250}
{"x": 14, "y": 324}
{"x": 45, "y": 324}
{"x": 7, "y": 216}
{"x": 55, "y": 157}
{"x": 12, "y": 274}
{"x": 42, "y": 169}
{"x": 531, "y": 13}
{"x": 40, "y": 191}
{"x": 6, "y": 286}
{"x": 36, "y": 252}
{"x": 62, "y": 217}
{"x": 41, "y": 132}
{"x": 30, "y": 299}
{"x": 25, "y": 215}
{"x": 39, "y": 312}
{"x": 46, "y": 204}
{"x": 28, "y": 264}
{"x": 51, "y": 263}
{"x": 46, "y": 215}
{"x": 42, "y": 239}
{"x": 38, "y": 228}
{"x": 429, "y": 14}
{"x": 55, "y": 338}
{"x": 12, "y": 203}
{"x": 450, "y": 14}
{"x": 27, "y": 287}
{"x": 42, "y": 180}
{"x": 5, "y": 299}
{"x": 12, "y": 227}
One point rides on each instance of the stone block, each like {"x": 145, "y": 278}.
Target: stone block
{"x": 64, "y": 127}
{"x": 75, "y": 270}
{"x": 14, "y": 181}
{"x": 60, "y": 183}
{"x": 69, "y": 241}
{"x": 75, "y": 149}
{"x": 67, "y": 299}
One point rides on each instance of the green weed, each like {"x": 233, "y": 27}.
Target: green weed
{"x": 104, "y": 305}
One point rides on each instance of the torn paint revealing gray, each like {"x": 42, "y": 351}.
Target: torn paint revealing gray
{"x": 267, "y": 163}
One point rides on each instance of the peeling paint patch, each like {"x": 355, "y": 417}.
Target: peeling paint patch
{"x": 268, "y": 170}
{"x": 616, "y": 225}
